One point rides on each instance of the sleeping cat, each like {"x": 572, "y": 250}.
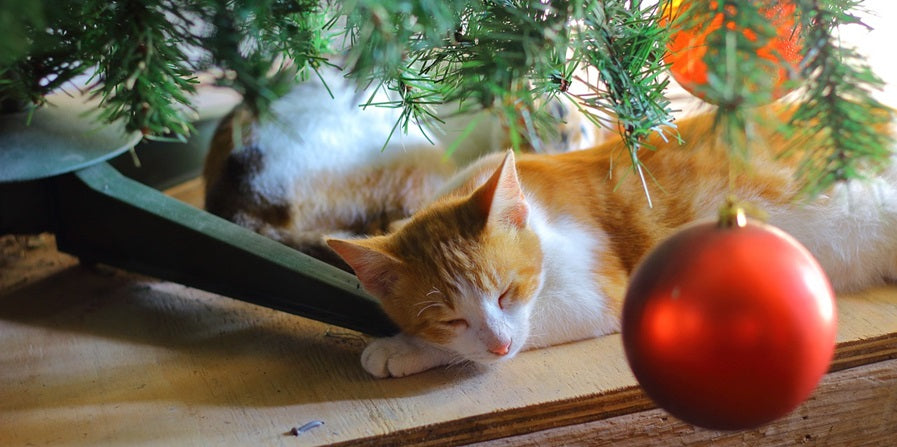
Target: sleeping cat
{"x": 536, "y": 251}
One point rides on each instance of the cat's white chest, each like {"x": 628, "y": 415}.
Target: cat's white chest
{"x": 570, "y": 306}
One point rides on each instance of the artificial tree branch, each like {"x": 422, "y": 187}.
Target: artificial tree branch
{"x": 506, "y": 56}
{"x": 838, "y": 104}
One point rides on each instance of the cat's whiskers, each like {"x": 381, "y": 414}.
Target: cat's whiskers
{"x": 458, "y": 361}
{"x": 431, "y": 303}
{"x": 434, "y": 304}
{"x": 434, "y": 291}
{"x": 428, "y": 305}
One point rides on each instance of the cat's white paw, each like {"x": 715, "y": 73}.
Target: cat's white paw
{"x": 399, "y": 356}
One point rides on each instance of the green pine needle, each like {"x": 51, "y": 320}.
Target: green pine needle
{"x": 512, "y": 58}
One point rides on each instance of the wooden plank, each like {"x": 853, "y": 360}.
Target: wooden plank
{"x": 100, "y": 357}
{"x": 852, "y": 407}
{"x": 26, "y": 259}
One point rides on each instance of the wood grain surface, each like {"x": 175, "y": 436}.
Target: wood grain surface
{"x": 854, "y": 407}
{"x": 95, "y": 356}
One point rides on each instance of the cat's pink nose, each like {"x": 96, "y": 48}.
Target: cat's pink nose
{"x": 501, "y": 349}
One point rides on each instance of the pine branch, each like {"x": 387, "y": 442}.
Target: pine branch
{"x": 484, "y": 55}
{"x": 18, "y": 18}
{"x": 838, "y": 104}
{"x": 44, "y": 52}
{"x": 507, "y": 56}
{"x": 263, "y": 46}
{"x": 381, "y": 34}
{"x": 143, "y": 75}
{"x": 626, "y": 43}
{"x": 837, "y": 108}
{"x": 740, "y": 69}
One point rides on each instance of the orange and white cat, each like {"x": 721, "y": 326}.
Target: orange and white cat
{"x": 537, "y": 251}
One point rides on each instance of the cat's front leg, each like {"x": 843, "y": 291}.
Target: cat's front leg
{"x": 401, "y": 355}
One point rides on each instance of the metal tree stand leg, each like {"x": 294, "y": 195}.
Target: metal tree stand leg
{"x": 100, "y": 215}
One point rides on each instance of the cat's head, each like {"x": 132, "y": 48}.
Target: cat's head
{"x": 462, "y": 273}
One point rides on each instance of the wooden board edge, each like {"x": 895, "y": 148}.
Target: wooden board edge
{"x": 589, "y": 408}
{"x": 856, "y": 406}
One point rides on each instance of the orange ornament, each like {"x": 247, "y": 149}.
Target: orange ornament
{"x": 688, "y": 46}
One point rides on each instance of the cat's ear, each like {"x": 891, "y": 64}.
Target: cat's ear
{"x": 376, "y": 269}
{"x": 501, "y": 197}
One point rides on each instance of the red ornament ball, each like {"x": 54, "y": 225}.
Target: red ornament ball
{"x": 688, "y": 44}
{"x": 729, "y": 327}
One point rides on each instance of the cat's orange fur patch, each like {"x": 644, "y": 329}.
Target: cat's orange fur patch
{"x": 598, "y": 189}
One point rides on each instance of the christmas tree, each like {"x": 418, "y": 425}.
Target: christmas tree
{"x": 141, "y": 57}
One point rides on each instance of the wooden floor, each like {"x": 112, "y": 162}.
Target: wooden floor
{"x": 96, "y": 356}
